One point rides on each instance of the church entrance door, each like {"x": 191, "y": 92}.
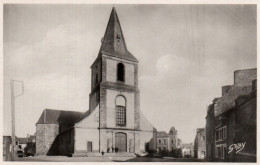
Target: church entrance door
{"x": 120, "y": 142}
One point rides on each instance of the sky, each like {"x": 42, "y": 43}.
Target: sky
{"x": 186, "y": 54}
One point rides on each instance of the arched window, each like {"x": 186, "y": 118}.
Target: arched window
{"x": 120, "y": 72}
{"x": 120, "y": 111}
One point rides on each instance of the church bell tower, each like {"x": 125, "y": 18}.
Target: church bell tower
{"x": 114, "y": 88}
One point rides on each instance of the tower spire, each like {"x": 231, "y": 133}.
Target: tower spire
{"x": 113, "y": 42}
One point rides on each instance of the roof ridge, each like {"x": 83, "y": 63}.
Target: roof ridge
{"x": 63, "y": 110}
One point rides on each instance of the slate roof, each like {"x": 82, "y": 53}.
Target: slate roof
{"x": 227, "y": 101}
{"x": 161, "y": 134}
{"x": 113, "y": 42}
{"x": 50, "y": 116}
{"x": 84, "y": 115}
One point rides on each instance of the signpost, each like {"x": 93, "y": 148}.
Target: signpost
{"x": 13, "y": 96}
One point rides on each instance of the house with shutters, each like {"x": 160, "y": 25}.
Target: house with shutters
{"x": 114, "y": 122}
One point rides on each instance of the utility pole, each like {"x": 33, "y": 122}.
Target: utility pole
{"x": 13, "y": 113}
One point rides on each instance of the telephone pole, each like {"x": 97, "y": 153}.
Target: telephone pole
{"x": 13, "y": 96}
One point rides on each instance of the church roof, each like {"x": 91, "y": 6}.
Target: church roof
{"x": 113, "y": 42}
{"x": 84, "y": 115}
{"x": 50, "y": 116}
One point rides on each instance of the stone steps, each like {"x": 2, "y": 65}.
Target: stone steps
{"x": 79, "y": 154}
{"x": 97, "y": 154}
{"x": 118, "y": 154}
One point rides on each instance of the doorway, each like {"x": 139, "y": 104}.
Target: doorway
{"x": 120, "y": 142}
{"x": 89, "y": 146}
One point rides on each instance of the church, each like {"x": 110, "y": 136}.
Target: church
{"x": 114, "y": 122}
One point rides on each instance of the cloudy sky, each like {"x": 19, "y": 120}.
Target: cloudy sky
{"x": 186, "y": 53}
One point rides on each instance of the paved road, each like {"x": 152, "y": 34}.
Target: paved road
{"x": 105, "y": 159}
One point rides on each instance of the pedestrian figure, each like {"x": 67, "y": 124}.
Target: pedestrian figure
{"x": 102, "y": 152}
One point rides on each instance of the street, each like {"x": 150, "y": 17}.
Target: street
{"x": 105, "y": 159}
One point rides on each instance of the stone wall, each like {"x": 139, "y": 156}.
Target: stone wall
{"x": 246, "y": 130}
{"x": 66, "y": 142}
{"x": 108, "y": 135}
{"x": 210, "y": 135}
{"x": 103, "y": 107}
{"x": 94, "y": 98}
{"x": 111, "y": 74}
{"x": 245, "y": 77}
{"x": 111, "y": 108}
{"x": 87, "y": 131}
{"x": 201, "y": 144}
{"x": 225, "y": 89}
{"x": 45, "y": 137}
{"x": 95, "y": 75}
{"x": 83, "y": 136}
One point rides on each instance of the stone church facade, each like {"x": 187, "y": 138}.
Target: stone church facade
{"x": 114, "y": 122}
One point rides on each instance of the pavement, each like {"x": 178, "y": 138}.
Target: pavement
{"x": 105, "y": 159}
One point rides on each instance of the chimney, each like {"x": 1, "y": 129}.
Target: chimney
{"x": 225, "y": 89}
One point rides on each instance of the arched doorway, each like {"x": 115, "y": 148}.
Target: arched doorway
{"x": 120, "y": 142}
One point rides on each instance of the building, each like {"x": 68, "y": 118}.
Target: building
{"x": 21, "y": 144}
{"x": 7, "y": 146}
{"x": 245, "y": 126}
{"x": 234, "y": 121}
{"x": 26, "y": 144}
{"x": 30, "y": 148}
{"x": 200, "y": 144}
{"x": 51, "y": 124}
{"x": 114, "y": 122}
{"x": 168, "y": 143}
{"x": 179, "y": 143}
{"x": 210, "y": 135}
{"x": 187, "y": 150}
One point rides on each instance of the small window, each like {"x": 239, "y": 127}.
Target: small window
{"x": 221, "y": 133}
{"x": 224, "y": 132}
{"x": 121, "y": 72}
{"x": 118, "y": 37}
{"x": 159, "y": 141}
